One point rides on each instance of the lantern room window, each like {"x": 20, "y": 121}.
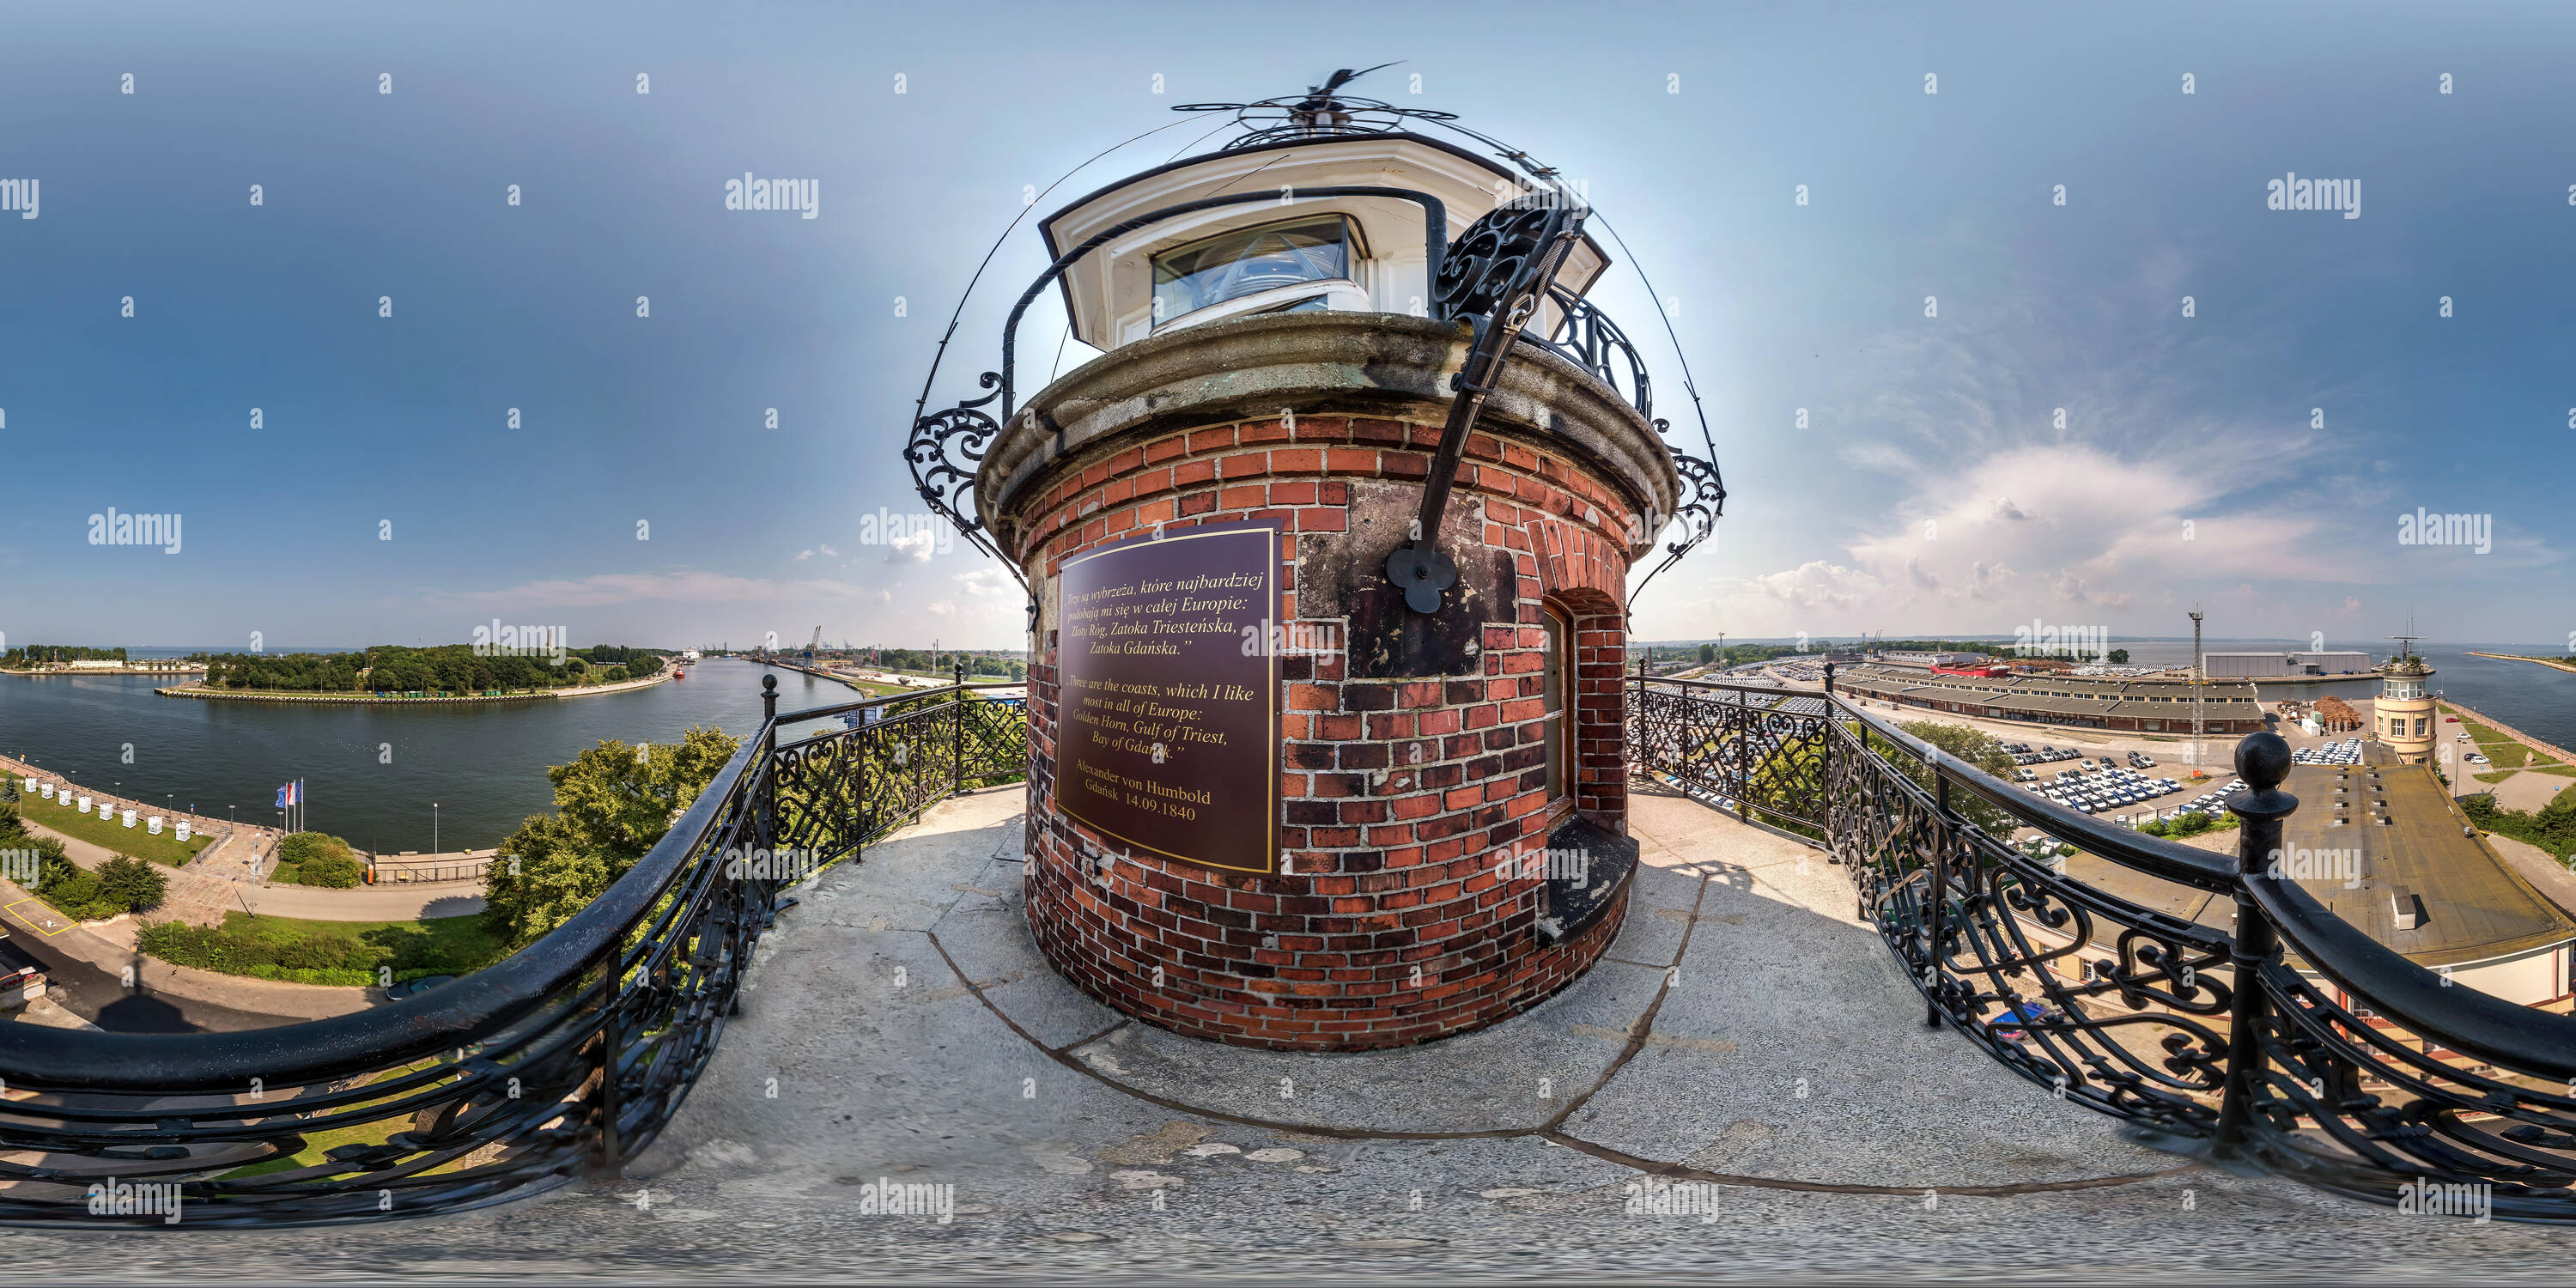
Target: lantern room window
{"x": 1248, "y": 261}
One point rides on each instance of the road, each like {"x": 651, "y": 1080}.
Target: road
{"x": 101, "y": 998}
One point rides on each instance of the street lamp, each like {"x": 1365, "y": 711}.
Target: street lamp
{"x": 433, "y": 831}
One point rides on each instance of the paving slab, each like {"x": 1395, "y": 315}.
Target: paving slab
{"x": 842, "y": 1073}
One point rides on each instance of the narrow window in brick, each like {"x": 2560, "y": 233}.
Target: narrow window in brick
{"x": 1558, "y": 667}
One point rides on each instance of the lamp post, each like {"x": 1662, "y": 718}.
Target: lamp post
{"x": 433, "y": 831}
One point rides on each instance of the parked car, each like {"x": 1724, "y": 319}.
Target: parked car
{"x": 22, "y": 978}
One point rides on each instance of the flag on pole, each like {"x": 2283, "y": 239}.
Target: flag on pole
{"x": 286, "y": 796}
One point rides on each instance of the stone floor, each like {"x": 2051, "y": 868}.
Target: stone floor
{"x": 1748, "y": 1042}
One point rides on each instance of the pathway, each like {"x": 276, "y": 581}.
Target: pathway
{"x": 91, "y": 960}
{"x": 195, "y": 896}
{"x": 366, "y": 903}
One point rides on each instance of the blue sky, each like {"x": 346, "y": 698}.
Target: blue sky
{"x": 1912, "y": 420}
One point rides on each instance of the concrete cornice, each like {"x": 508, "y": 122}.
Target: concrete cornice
{"x": 1367, "y": 364}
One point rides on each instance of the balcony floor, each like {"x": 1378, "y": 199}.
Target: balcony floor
{"x": 1746, "y": 1029}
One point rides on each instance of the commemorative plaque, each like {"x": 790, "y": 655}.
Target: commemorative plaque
{"x": 1167, "y": 710}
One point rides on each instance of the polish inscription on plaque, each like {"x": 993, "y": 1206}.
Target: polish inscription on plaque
{"x": 1167, "y": 720}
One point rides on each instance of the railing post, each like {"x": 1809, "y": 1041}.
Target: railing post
{"x": 763, "y": 768}
{"x": 957, "y": 752}
{"x": 1936, "y": 893}
{"x": 611, "y": 1164}
{"x": 1633, "y": 728}
{"x": 2262, "y": 760}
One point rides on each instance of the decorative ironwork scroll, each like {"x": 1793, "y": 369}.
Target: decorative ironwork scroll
{"x": 1704, "y": 502}
{"x": 1495, "y": 275}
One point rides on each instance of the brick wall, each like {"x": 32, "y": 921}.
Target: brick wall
{"x": 1397, "y": 916}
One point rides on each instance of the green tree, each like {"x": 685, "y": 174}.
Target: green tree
{"x": 131, "y": 884}
{"x": 1707, "y": 654}
{"x": 1973, "y": 746}
{"x": 2119, "y": 657}
{"x": 612, "y": 804}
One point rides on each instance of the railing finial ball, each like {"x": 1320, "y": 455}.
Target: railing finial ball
{"x": 2263, "y": 760}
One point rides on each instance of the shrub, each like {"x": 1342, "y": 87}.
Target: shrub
{"x": 131, "y": 884}
{"x": 247, "y": 946}
{"x": 214, "y": 948}
{"x": 302, "y": 847}
{"x": 317, "y": 859}
{"x": 2156, "y": 827}
{"x": 2192, "y": 823}
{"x": 70, "y": 889}
{"x": 335, "y": 870}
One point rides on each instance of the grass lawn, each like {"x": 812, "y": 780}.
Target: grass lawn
{"x": 2506, "y": 755}
{"x": 318, "y": 1143}
{"x": 347, "y": 954}
{"x": 2495, "y": 777}
{"x": 2481, "y": 733}
{"x": 2563, "y": 771}
{"x": 450, "y": 937}
{"x": 165, "y": 849}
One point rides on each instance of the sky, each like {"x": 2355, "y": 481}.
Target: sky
{"x": 2008, "y": 417}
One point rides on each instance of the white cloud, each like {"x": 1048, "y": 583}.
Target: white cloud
{"x": 913, "y": 547}
{"x": 804, "y": 554}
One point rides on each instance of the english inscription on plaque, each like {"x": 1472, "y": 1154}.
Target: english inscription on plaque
{"x": 1167, "y": 713}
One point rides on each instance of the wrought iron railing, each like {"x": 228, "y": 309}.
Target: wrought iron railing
{"x": 945, "y": 448}
{"x": 2280, "y": 1039}
{"x": 1586, "y": 337}
{"x": 564, "y": 1060}
{"x": 1756, "y": 751}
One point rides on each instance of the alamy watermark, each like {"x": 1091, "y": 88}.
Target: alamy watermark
{"x": 885, "y": 1196}
{"x": 1292, "y": 639}
{"x": 801, "y": 196}
{"x": 498, "y": 640}
{"x": 1655, "y": 1197}
{"x": 791, "y": 865}
{"x": 113, "y": 1197}
{"x": 2424, "y": 528}
{"x": 116, "y": 528}
{"x": 2039, "y": 639}
{"x": 917, "y": 535}
{"x": 20, "y": 866}
{"x": 1571, "y": 866}
{"x": 2472, "y": 1199}
{"x": 2295, "y": 193}
{"x": 19, "y": 195}
{"x": 2299, "y": 863}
